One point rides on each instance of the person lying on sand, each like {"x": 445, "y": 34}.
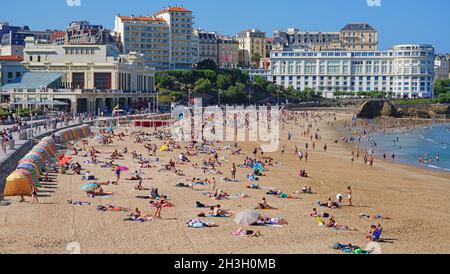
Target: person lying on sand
{"x": 374, "y": 217}
{"x": 265, "y": 206}
{"x": 315, "y": 213}
{"x": 217, "y": 211}
{"x": 196, "y": 223}
{"x": 305, "y": 190}
{"x": 78, "y": 203}
{"x": 201, "y": 205}
{"x": 329, "y": 204}
{"x": 106, "y": 183}
{"x": 113, "y": 208}
{"x": 246, "y": 233}
{"x": 331, "y": 223}
{"x": 271, "y": 221}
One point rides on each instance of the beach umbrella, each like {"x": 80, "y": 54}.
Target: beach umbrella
{"x": 64, "y": 160}
{"x": 17, "y": 184}
{"x": 90, "y": 187}
{"x": 248, "y": 217}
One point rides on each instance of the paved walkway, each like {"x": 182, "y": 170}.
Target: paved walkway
{"x": 36, "y": 132}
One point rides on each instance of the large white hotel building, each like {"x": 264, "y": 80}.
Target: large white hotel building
{"x": 405, "y": 70}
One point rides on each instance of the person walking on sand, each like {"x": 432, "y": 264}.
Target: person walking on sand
{"x": 349, "y": 195}
{"x": 233, "y": 171}
{"x": 213, "y": 184}
{"x": 117, "y": 171}
{"x": 34, "y": 198}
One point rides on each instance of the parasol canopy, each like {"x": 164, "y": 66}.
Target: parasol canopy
{"x": 248, "y": 217}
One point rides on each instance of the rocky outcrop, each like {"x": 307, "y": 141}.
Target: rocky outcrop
{"x": 388, "y": 110}
{"x": 370, "y": 109}
{"x": 374, "y": 109}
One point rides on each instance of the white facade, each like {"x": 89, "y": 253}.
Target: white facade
{"x": 92, "y": 76}
{"x": 405, "y": 70}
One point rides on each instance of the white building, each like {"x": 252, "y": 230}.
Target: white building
{"x": 404, "y": 70}
{"x": 87, "y": 77}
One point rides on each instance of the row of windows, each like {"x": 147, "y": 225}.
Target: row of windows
{"x": 80, "y": 51}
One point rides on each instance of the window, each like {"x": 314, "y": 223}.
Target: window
{"x": 102, "y": 81}
{"x": 78, "y": 80}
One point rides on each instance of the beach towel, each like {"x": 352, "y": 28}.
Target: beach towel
{"x": 143, "y": 197}
{"x": 214, "y": 216}
{"x": 105, "y": 195}
{"x": 274, "y": 225}
{"x": 201, "y": 183}
{"x": 226, "y": 180}
{"x": 349, "y": 249}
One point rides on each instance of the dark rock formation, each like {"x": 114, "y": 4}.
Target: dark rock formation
{"x": 374, "y": 109}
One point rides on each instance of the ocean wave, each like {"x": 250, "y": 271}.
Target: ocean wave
{"x": 439, "y": 168}
{"x": 430, "y": 140}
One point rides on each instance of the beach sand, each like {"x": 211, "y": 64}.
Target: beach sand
{"x": 416, "y": 199}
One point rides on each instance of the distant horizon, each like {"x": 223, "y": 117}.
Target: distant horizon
{"x": 396, "y": 21}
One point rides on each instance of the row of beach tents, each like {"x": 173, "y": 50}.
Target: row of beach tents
{"x": 71, "y": 134}
{"x": 31, "y": 167}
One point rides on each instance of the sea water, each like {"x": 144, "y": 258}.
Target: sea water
{"x": 431, "y": 142}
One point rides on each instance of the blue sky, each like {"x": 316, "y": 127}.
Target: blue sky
{"x": 398, "y": 21}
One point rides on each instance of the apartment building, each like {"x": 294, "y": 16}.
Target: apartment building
{"x": 252, "y": 47}
{"x": 165, "y": 38}
{"x": 207, "y": 45}
{"x": 352, "y": 37}
{"x": 227, "y": 52}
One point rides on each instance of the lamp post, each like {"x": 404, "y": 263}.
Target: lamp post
{"x": 189, "y": 97}
{"x": 218, "y": 94}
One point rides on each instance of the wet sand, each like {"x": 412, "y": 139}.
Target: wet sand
{"x": 416, "y": 199}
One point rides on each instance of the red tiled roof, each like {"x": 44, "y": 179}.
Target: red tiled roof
{"x": 173, "y": 9}
{"x": 141, "y": 18}
{"x": 11, "y": 58}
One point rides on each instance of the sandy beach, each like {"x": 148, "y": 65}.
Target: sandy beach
{"x": 416, "y": 200}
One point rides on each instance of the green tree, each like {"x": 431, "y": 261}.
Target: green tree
{"x": 256, "y": 59}
{"x": 207, "y": 65}
{"x": 260, "y": 82}
{"x": 202, "y": 85}
{"x": 223, "y": 81}
{"x": 273, "y": 89}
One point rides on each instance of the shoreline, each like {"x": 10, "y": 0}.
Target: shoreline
{"x": 350, "y": 147}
